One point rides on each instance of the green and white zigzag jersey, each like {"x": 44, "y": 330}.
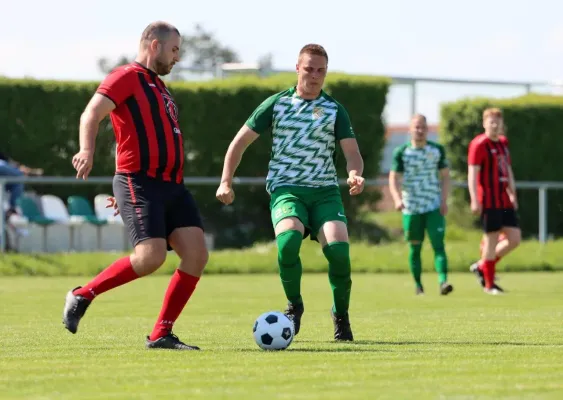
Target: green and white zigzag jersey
{"x": 421, "y": 189}
{"x": 304, "y": 136}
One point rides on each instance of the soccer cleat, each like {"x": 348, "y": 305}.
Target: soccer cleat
{"x": 497, "y": 287}
{"x": 492, "y": 291}
{"x": 170, "y": 341}
{"x": 294, "y": 312}
{"x": 75, "y": 307}
{"x": 446, "y": 288}
{"x": 342, "y": 329}
{"x": 478, "y": 273}
{"x": 419, "y": 291}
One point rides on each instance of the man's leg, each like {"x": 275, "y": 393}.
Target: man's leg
{"x": 15, "y": 189}
{"x": 511, "y": 232}
{"x": 413, "y": 226}
{"x": 143, "y": 214}
{"x": 500, "y": 252}
{"x": 289, "y": 216}
{"x": 492, "y": 225}
{"x": 187, "y": 238}
{"x": 436, "y": 227}
{"x": 329, "y": 227}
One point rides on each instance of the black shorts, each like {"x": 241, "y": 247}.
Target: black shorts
{"x": 151, "y": 208}
{"x": 493, "y": 220}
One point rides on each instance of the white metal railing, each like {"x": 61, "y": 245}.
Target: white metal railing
{"x": 541, "y": 187}
{"x": 412, "y": 82}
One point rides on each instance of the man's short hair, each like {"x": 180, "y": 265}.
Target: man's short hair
{"x": 315, "y": 50}
{"x": 158, "y": 30}
{"x": 492, "y": 112}
{"x": 419, "y": 116}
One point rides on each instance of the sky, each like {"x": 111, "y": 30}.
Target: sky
{"x": 482, "y": 40}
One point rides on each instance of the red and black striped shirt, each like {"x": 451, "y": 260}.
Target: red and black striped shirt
{"x": 493, "y": 159}
{"x": 145, "y": 122}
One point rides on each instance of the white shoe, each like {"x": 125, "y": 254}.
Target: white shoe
{"x": 492, "y": 291}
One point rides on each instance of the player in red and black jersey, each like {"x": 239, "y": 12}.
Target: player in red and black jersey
{"x": 493, "y": 196}
{"x": 157, "y": 209}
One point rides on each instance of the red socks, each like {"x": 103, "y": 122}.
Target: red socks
{"x": 488, "y": 268}
{"x": 117, "y": 274}
{"x": 179, "y": 291}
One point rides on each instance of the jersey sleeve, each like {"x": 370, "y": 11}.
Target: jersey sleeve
{"x": 262, "y": 117}
{"x": 475, "y": 153}
{"x": 117, "y": 86}
{"x": 343, "y": 127}
{"x": 397, "y": 164}
{"x": 443, "y": 161}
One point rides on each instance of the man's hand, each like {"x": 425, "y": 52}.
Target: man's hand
{"x": 514, "y": 200}
{"x": 112, "y": 203}
{"x": 476, "y": 207}
{"x": 356, "y": 184}
{"x": 82, "y": 163}
{"x": 444, "y": 208}
{"x": 225, "y": 193}
{"x": 399, "y": 205}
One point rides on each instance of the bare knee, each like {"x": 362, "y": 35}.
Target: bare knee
{"x": 189, "y": 244}
{"x": 148, "y": 257}
{"x": 514, "y": 237}
{"x": 288, "y": 224}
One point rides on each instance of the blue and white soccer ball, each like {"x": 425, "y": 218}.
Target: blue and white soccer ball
{"x": 273, "y": 331}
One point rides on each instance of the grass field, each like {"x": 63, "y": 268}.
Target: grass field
{"x": 464, "y": 346}
{"x": 462, "y": 246}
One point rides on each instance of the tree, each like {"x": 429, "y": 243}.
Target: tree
{"x": 200, "y": 50}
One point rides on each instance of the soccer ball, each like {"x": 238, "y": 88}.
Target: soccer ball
{"x": 273, "y": 331}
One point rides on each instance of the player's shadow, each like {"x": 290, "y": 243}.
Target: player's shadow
{"x": 343, "y": 349}
{"x": 446, "y": 343}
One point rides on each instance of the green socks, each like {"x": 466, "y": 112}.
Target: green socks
{"x": 290, "y": 268}
{"x": 441, "y": 264}
{"x": 339, "y": 271}
{"x": 415, "y": 262}
{"x": 339, "y": 275}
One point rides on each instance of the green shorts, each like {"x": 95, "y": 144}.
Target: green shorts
{"x": 312, "y": 206}
{"x": 432, "y": 222}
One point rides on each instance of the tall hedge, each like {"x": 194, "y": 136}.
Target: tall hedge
{"x": 534, "y": 127}
{"x": 39, "y": 126}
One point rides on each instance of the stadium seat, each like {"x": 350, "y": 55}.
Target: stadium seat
{"x": 33, "y": 214}
{"x": 78, "y": 206}
{"x": 54, "y": 208}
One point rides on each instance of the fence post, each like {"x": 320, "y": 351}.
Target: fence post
{"x": 2, "y": 218}
{"x": 542, "y": 192}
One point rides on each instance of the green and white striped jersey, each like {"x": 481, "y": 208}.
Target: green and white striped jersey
{"x": 304, "y": 133}
{"x": 421, "y": 189}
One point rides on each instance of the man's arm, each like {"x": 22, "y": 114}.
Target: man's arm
{"x": 511, "y": 189}
{"x": 511, "y": 181}
{"x": 244, "y": 138}
{"x": 354, "y": 160}
{"x": 445, "y": 178}
{"x": 472, "y": 174}
{"x": 474, "y": 161}
{"x": 395, "y": 186}
{"x": 396, "y": 176}
{"x": 444, "y": 172}
{"x": 112, "y": 92}
{"x": 97, "y": 109}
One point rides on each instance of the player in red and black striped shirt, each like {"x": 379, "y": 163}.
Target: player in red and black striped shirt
{"x": 493, "y": 196}
{"x": 157, "y": 209}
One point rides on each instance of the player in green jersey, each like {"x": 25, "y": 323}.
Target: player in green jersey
{"x": 423, "y": 168}
{"x": 306, "y": 124}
